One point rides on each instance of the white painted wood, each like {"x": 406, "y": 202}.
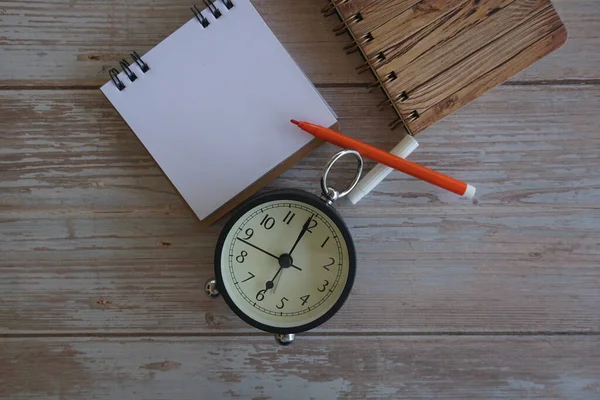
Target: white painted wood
{"x": 367, "y": 367}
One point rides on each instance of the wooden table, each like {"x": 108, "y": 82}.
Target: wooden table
{"x": 102, "y": 266}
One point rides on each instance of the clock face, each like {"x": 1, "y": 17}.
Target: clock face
{"x": 285, "y": 263}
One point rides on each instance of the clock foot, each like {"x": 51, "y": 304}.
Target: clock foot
{"x": 285, "y": 340}
{"x": 211, "y": 288}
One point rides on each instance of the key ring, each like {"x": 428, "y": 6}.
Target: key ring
{"x": 330, "y": 194}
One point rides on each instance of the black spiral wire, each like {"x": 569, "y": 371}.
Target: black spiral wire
{"x": 138, "y": 60}
{"x": 144, "y": 67}
{"x": 213, "y": 9}
{"x": 126, "y": 67}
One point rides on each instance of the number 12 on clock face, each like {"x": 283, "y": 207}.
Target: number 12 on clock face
{"x": 285, "y": 262}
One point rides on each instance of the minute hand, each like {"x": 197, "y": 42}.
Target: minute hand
{"x": 302, "y": 233}
{"x": 266, "y": 252}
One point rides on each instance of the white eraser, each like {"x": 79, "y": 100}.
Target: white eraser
{"x": 404, "y": 149}
{"x": 470, "y": 192}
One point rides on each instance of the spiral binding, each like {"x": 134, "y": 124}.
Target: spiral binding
{"x": 371, "y": 63}
{"x": 114, "y": 76}
{"x": 138, "y": 60}
{"x": 125, "y": 66}
{"x": 144, "y": 67}
{"x": 210, "y": 4}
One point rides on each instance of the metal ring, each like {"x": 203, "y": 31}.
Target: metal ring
{"x": 413, "y": 116}
{"x": 391, "y": 77}
{"x": 213, "y": 9}
{"x": 114, "y": 76}
{"x": 141, "y": 63}
{"x": 125, "y": 65}
{"x": 330, "y": 193}
{"x": 201, "y": 18}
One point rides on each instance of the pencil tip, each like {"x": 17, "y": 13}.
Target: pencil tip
{"x": 295, "y": 122}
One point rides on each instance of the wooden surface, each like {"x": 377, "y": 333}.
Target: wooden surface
{"x": 103, "y": 266}
{"x": 318, "y": 368}
{"x": 433, "y": 57}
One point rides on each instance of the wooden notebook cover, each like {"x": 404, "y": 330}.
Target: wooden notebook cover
{"x": 433, "y": 57}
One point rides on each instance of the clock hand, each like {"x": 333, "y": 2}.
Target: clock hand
{"x": 276, "y": 283}
{"x": 302, "y": 233}
{"x": 270, "y": 284}
{"x": 258, "y": 248}
{"x": 285, "y": 262}
{"x": 266, "y": 252}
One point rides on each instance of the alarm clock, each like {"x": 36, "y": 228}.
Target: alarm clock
{"x": 285, "y": 262}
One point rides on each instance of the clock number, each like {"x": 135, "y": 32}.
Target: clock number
{"x": 289, "y": 217}
{"x": 251, "y": 276}
{"x": 242, "y": 257}
{"x": 268, "y": 222}
{"x": 324, "y": 288}
{"x": 325, "y": 242}
{"x": 329, "y": 265}
{"x": 249, "y": 233}
{"x": 313, "y": 225}
{"x": 260, "y": 296}
{"x": 283, "y": 300}
{"x": 305, "y": 299}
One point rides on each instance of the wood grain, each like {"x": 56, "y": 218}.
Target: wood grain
{"x": 442, "y": 40}
{"x": 577, "y": 50}
{"x": 376, "y": 14}
{"x": 407, "y": 24}
{"x": 349, "y": 8}
{"x": 508, "y": 54}
{"x": 449, "y": 59}
{"x": 368, "y": 367}
{"x": 503, "y": 71}
{"x": 94, "y": 238}
{"x": 103, "y": 265}
{"x": 576, "y": 14}
{"x": 74, "y": 42}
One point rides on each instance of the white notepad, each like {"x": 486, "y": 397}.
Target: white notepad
{"x": 214, "y": 108}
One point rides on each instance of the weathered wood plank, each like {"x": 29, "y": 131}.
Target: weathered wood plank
{"x": 74, "y": 42}
{"x": 58, "y": 42}
{"x": 93, "y": 238}
{"x": 313, "y": 368}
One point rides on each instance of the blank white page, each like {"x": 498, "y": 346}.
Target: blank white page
{"x": 214, "y": 109}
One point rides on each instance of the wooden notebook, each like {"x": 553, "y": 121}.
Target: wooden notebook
{"x": 212, "y": 104}
{"x": 432, "y": 57}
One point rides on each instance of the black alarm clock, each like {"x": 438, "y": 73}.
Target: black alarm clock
{"x": 285, "y": 262}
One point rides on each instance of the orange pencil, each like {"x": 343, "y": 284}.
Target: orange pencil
{"x": 390, "y": 160}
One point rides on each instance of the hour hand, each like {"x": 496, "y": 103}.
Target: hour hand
{"x": 270, "y": 284}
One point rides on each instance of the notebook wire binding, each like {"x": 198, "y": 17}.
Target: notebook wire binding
{"x": 356, "y": 46}
{"x": 144, "y": 67}
{"x": 210, "y": 6}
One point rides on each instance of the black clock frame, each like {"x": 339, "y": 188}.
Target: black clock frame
{"x": 303, "y": 197}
